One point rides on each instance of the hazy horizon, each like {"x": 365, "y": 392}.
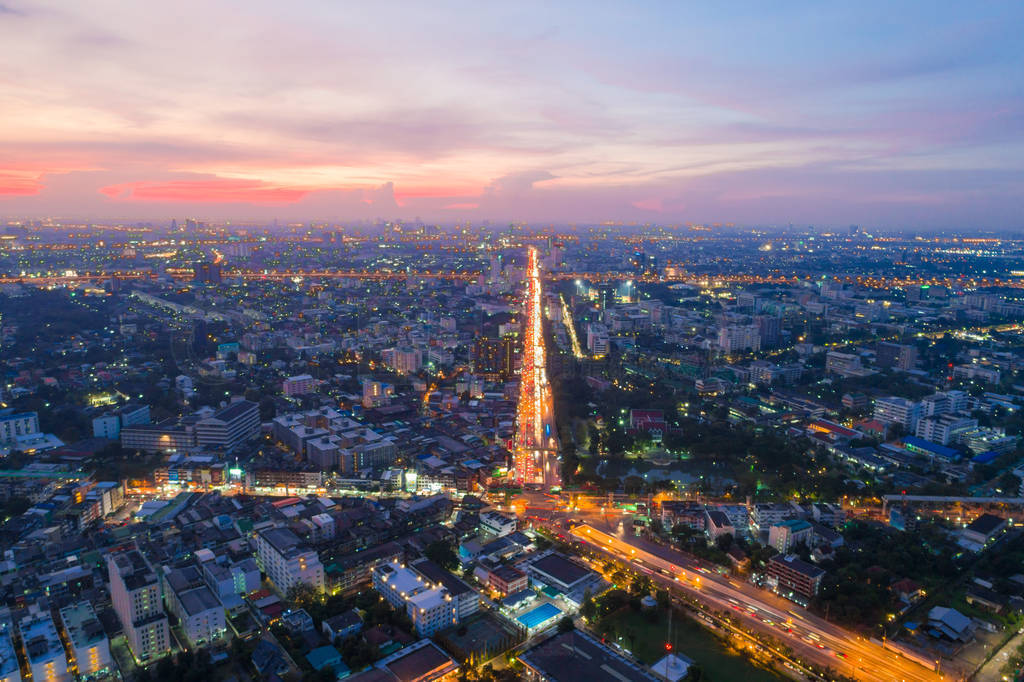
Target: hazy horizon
{"x": 893, "y": 117}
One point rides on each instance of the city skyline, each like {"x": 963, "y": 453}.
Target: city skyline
{"x": 906, "y": 118}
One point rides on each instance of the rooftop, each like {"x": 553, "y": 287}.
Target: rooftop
{"x": 421, "y": 661}
{"x": 439, "y": 576}
{"x": 986, "y": 524}
{"x": 81, "y": 624}
{"x": 561, "y": 569}
{"x": 39, "y": 637}
{"x": 577, "y": 657}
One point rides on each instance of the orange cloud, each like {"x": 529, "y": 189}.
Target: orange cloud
{"x": 206, "y": 191}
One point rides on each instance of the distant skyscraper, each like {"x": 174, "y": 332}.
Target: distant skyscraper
{"x": 209, "y": 273}
{"x": 493, "y": 358}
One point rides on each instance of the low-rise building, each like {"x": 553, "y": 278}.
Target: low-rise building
{"x": 430, "y": 608}
{"x": 467, "y": 601}
{"x": 982, "y": 531}
{"x": 794, "y": 579}
{"x": 497, "y": 524}
{"x": 287, "y": 561}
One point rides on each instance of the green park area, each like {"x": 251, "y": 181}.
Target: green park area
{"x": 646, "y": 632}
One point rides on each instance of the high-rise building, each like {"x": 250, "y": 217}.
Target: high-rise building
{"x": 895, "y": 355}
{"x": 769, "y": 328}
{"x": 944, "y": 428}
{"x": 208, "y": 273}
{"x": 403, "y": 360}
{"x": 376, "y": 393}
{"x": 135, "y": 594}
{"x": 494, "y": 359}
{"x": 734, "y": 339}
{"x": 299, "y": 385}
{"x": 17, "y": 425}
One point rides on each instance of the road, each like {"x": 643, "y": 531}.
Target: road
{"x": 536, "y": 449}
{"x": 810, "y": 637}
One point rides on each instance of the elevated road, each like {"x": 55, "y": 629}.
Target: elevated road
{"x": 810, "y": 637}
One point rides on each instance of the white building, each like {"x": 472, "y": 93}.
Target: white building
{"x": 944, "y": 428}
{"x": 787, "y": 534}
{"x": 226, "y": 578}
{"x": 717, "y": 524}
{"x": 403, "y": 360}
{"x": 944, "y": 403}
{"x": 900, "y": 411}
{"x": 200, "y": 614}
{"x": 135, "y": 594}
{"x": 734, "y": 339}
{"x": 109, "y": 425}
{"x": 430, "y": 608}
{"x": 89, "y": 644}
{"x": 45, "y": 654}
{"x": 597, "y": 339}
{"x": 497, "y": 524}
{"x": 286, "y": 561}
{"x": 229, "y": 426}
{"x": 14, "y": 426}
{"x": 376, "y": 393}
{"x": 183, "y": 384}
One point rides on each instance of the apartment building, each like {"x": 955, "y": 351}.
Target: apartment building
{"x": 88, "y": 642}
{"x": 229, "y": 426}
{"x": 794, "y": 579}
{"x": 788, "y": 534}
{"x": 431, "y": 608}
{"x": 44, "y": 652}
{"x": 894, "y": 410}
{"x": 287, "y": 561}
{"x": 135, "y": 594}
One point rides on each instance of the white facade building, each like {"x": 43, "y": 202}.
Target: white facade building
{"x": 286, "y": 561}
{"x": 89, "y": 644}
{"x": 430, "y": 608}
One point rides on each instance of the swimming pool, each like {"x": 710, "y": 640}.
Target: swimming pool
{"x": 539, "y": 615}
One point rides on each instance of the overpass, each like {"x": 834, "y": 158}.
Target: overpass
{"x": 951, "y": 499}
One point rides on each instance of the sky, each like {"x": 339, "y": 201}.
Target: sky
{"x": 886, "y": 114}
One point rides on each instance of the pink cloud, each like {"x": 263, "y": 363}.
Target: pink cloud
{"x": 19, "y": 183}
{"x": 461, "y": 207}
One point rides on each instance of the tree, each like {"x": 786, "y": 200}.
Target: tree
{"x": 566, "y": 624}
{"x": 442, "y": 554}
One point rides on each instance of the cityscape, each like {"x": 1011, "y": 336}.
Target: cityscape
{"x": 408, "y": 344}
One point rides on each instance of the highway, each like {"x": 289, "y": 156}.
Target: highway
{"x": 810, "y": 637}
{"x": 536, "y": 452}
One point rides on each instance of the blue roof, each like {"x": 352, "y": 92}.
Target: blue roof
{"x": 324, "y": 656}
{"x": 985, "y": 457}
{"x": 539, "y": 615}
{"x": 928, "y": 446}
